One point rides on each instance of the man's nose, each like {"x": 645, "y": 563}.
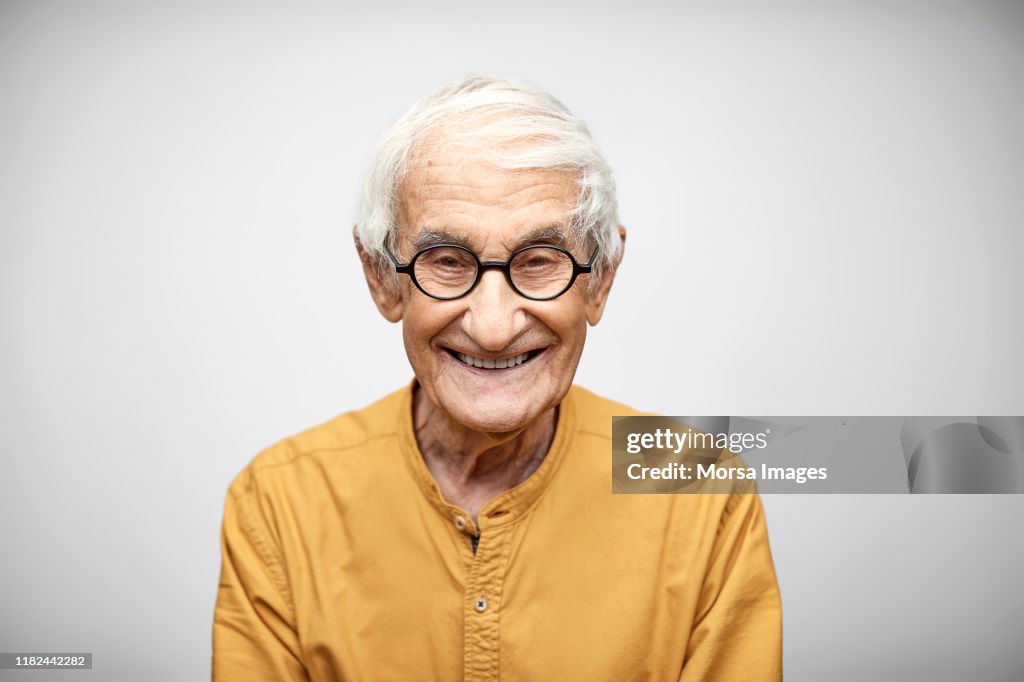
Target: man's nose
{"x": 494, "y": 317}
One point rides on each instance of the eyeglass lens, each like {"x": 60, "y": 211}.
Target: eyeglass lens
{"x": 537, "y": 272}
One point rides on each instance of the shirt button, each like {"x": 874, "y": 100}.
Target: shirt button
{"x": 481, "y": 605}
{"x": 460, "y": 523}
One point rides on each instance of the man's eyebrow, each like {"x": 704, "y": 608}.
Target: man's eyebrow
{"x": 552, "y": 234}
{"x": 425, "y": 238}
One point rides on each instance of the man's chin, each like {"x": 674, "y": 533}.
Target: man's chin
{"x": 496, "y": 418}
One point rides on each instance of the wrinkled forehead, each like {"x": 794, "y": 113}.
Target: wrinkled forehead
{"x": 469, "y": 193}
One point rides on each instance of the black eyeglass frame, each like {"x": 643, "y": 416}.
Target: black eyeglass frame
{"x": 506, "y": 267}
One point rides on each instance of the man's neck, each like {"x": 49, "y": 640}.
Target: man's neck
{"x": 472, "y": 467}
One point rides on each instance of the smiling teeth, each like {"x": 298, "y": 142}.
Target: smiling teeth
{"x": 491, "y": 363}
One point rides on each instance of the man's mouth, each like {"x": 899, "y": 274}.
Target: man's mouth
{"x": 495, "y": 363}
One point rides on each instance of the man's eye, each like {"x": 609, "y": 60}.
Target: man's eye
{"x": 449, "y": 263}
{"x": 538, "y": 262}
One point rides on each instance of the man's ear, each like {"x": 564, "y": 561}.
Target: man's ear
{"x": 384, "y": 290}
{"x": 597, "y": 294}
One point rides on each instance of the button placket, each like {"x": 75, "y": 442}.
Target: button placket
{"x": 483, "y": 604}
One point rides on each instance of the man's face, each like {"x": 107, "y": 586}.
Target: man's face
{"x": 493, "y": 212}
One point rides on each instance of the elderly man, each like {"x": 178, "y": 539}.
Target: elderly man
{"x": 463, "y": 528}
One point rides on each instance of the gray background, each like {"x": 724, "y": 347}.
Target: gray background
{"x": 825, "y": 209}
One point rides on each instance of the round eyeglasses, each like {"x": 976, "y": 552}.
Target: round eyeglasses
{"x": 450, "y": 271}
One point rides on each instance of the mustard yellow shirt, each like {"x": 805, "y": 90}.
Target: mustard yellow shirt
{"x": 343, "y": 561}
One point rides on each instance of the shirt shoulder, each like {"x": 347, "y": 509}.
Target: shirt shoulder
{"x": 352, "y": 432}
{"x": 594, "y": 413}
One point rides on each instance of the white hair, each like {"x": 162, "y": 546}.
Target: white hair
{"x": 514, "y": 126}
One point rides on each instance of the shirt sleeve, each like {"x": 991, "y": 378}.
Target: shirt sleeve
{"x": 737, "y": 634}
{"x": 254, "y": 633}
